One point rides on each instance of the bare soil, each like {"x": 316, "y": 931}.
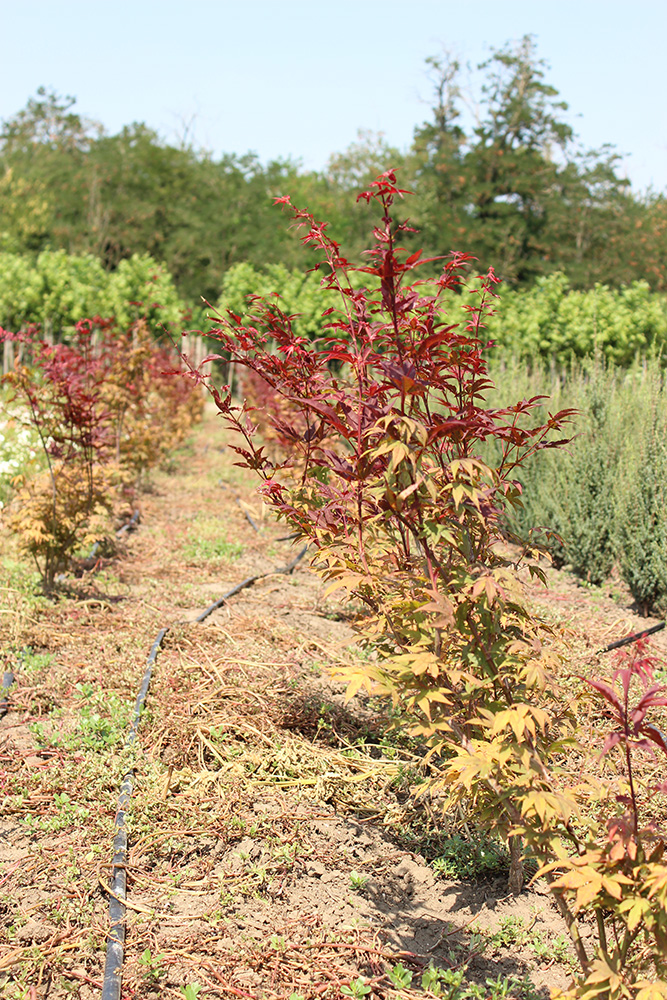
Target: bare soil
{"x": 276, "y": 850}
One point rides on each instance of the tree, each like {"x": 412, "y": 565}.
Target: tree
{"x": 437, "y": 162}
{"x": 511, "y": 166}
{"x": 43, "y": 152}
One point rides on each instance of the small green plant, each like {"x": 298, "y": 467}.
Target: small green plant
{"x": 30, "y": 662}
{"x": 201, "y": 549}
{"x": 191, "y": 991}
{"x": 470, "y": 859}
{"x": 442, "y": 982}
{"x": 358, "y": 988}
{"x": 400, "y": 976}
{"x": 152, "y": 966}
{"x": 19, "y": 992}
{"x": 101, "y": 722}
{"x": 502, "y": 987}
{"x": 68, "y": 814}
{"x": 511, "y": 931}
{"x": 358, "y": 881}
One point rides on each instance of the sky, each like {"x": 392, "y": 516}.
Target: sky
{"x": 299, "y": 78}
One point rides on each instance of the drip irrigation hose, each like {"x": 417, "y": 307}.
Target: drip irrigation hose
{"x": 7, "y": 681}
{"x": 96, "y": 547}
{"x": 115, "y": 946}
{"x": 285, "y": 570}
{"x": 113, "y": 966}
{"x": 129, "y": 525}
{"x": 632, "y": 638}
{"x": 247, "y": 515}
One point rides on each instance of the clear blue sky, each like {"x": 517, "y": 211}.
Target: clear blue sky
{"x": 298, "y": 78}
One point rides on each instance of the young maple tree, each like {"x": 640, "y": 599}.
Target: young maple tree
{"x": 385, "y": 430}
{"x": 67, "y": 504}
{"x": 104, "y": 408}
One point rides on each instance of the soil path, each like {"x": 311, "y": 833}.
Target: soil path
{"x": 275, "y": 849}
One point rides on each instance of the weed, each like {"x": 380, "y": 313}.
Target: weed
{"x": 470, "y": 859}
{"x": 400, "y": 976}
{"x": 358, "y": 881}
{"x": 191, "y": 991}
{"x": 68, "y": 814}
{"x": 358, "y": 988}
{"x": 200, "y": 549}
{"x": 91, "y": 729}
{"x": 450, "y": 984}
{"x": 31, "y": 662}
{"x": 152, "y": 966}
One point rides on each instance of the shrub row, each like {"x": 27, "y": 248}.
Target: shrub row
{"x": 101, "y": 410}
{"x": 55, "y": 289}
{"x": 605, "y": 495}
{"x": 552, "y": 321}
{"x": 549, "y": 321}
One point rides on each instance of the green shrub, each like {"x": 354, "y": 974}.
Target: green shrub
{"x": 641, "y": 494}
{"x": 556, "y": 323}
{"x": 571, "y": 492}
{"x": 57, "y": 289}
{"x": 605, "y": 495}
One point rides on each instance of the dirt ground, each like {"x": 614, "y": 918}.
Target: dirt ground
{"x": 275, "y": 849}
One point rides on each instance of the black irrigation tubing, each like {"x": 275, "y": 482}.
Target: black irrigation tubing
{"x": 126, "y": 527}
{"x": 113, "y": 966}
{"x": 7, "y": 681}
{"x": 248, "y": 582}
{"x": 130, "y": 524}
{"x": 632, "y": 638}
{"x": 117, "y": 891}
{"x": 247, "y": 516}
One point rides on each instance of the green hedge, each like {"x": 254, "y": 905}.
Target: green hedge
{"x": 554, "y": 322}
{"x": 550, "y": 320}
{"x": 56, "y": 290}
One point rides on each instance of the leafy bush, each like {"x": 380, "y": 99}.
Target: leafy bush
{"x": 300, "y": 295}
{"x": 55, "y": 511}
{"x": 641, "y": 508}
{"x": 142, "y": 289}
{"x": 57, "y": 289}
{"x": 573, "y": 493}
{"x": 550, "y": 320}
{"x": 554, "y": 322}
{"x": 603, "y": 495}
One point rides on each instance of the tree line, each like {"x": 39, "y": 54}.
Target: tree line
{"x": 505, "y": 179}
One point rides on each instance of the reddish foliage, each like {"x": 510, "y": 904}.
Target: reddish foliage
{"x": 388, "y": 355}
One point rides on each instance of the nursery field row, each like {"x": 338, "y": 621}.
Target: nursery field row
{"x": 549, "y": 320}
{"x": 274, "y": 849}
{"x": 604, "y": 496}
{"x": 381, "y": 447}
{"x": 84, "y": 422}
{"x": 385, "y": 452}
